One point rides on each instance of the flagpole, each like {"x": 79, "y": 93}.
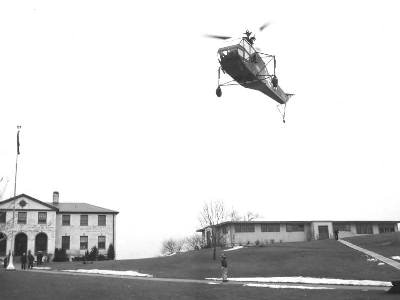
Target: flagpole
{"x": 10, "y": 265}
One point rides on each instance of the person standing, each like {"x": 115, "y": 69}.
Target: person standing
{"x": 31, "y": 258}
{"x": 224, "y": 268}
{"x": 23, "y": 261}
{"x": 336, "y": 234}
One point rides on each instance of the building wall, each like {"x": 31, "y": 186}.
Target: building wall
{"x": 75, "y": 231}
{"x": 31, "y": 229}
{"x": 311, "y": 232}
{"x": 244, "y": 238}
{"x": 353, "y": 230}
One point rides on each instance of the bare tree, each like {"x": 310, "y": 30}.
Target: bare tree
{"x": 180, "y": 245}
{"x": 171, "y": 246}
{"x": 212, "y": 214}
{"x": 168, "y": 246}
{"x": 234, "y": 215}
{"x": 194, "y": 242}
{"x": 250, "y": 216}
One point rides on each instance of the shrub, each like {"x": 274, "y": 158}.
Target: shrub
{"x": 111, "y": 252}
{"x": 94, "y": 253}
{"x": 60, "y": 255}
{"x": 101, "y": 257}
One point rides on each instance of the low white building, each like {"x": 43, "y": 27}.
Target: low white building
{"x": 43, "y": 226}
{"x": 233, "y": 233}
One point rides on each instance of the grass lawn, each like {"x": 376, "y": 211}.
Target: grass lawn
{"x": 386, "y": 244}
{"x": 327, "y": 258}
{"x": 42, "y": 286}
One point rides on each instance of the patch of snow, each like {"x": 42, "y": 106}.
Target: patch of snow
{"x": 308, "y": 280}
{"x": 234, "y": 248}
{"x": 396, "y": 257}
{"x": 372, "y": 259}
{"x": 169, "y": 254}
{"x": 109, "y": 272}
{"x": 41, "y": 268}
{"x": 212, "y": 282}
{"x": 381, "y": 264}
{"x": 284, "y": 286}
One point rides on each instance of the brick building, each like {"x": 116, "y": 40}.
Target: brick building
{"x": 44, "y": 226}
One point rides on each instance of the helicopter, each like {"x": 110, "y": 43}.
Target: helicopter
{"x": 248, "y": 67}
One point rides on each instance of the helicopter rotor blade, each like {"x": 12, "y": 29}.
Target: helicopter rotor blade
{"x": 265, "y": 25}
{"x": 219, "y": 37}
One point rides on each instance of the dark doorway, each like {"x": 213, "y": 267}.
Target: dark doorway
{"x": 208, "y": 239}
{"x": 3, "y": 244}
{"x": 21, "y": 244}
{"x": 41, "y": 242}
{"x": 323, "y": 232}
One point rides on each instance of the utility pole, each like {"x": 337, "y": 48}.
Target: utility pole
{"x": 10, "y": 266}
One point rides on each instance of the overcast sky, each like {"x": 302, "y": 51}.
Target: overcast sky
{"x": 118, "y": 109}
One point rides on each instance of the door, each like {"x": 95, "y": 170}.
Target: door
{"x": 3, "y": 244}
{"x": 21, "y": 243}
{"x": 323, "y": 232}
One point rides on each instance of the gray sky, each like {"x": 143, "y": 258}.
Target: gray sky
{"x": 118, "y": 107}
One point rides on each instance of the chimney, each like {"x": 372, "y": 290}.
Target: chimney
{"x": 56, "y": 196}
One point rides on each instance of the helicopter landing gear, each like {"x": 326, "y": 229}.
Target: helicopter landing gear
{"x": 282, "y": 112}
{"x": 218, "y": 91}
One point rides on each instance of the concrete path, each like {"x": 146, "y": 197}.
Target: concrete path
{"x": 205, "y": 281}
{"x": 382, "y": 258}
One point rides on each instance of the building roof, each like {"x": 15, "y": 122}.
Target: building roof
{"x": 31, "y": 198}
{"x": 66, "y": 207}
{"x": 75, "y": 207}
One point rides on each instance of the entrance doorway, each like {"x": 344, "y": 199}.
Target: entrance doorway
{"x": 41, "y": 242}
{"x": 3, "y": 244}
{"x": 323, "y": 232}
{"x": 21, "y": 244}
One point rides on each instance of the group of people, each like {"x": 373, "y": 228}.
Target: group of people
{"x": 25, "y": 259}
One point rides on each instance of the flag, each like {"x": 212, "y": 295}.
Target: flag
{"x": 18, "y": 143}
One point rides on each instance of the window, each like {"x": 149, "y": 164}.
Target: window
{"x": 22, "y": 217}
{"x": 364, "y": 228}
{"x": 294, "y": 227}
{"x": 244, "y": 228}
{"x": 101, "y": 242}
{"x": 42, "y": 217}
{"x": 386, "y": 228}
{"x": 84, "y": 242}
{"x": 84, "y": 220}
{"x": 270, "y": 227}
{"x": 66, "y": 220}
{"x": 101, "y": 220}
{"x": 342, "y": 227}
{"x": 65, "y": 242}
{"x": 2, "y": 216}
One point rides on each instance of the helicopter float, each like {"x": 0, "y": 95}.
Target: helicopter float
{"x": 248, "y": 68}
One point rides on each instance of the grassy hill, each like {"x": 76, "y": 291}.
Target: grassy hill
{"x": 327, "y": 258}
{"x": 386, "y": 244}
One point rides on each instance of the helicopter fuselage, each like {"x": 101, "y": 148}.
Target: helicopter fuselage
{"x": 246, "y": 66}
